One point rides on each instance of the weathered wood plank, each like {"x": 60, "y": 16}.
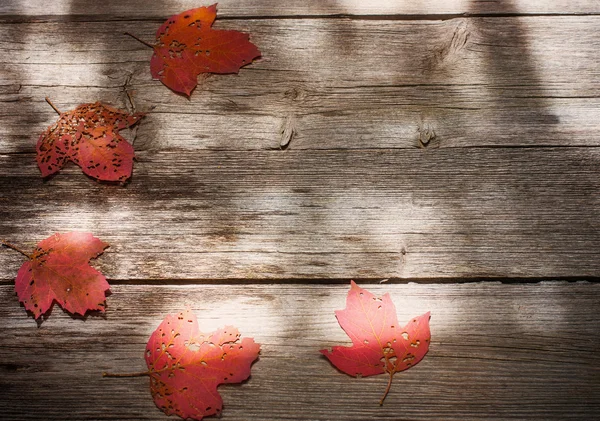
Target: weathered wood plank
{"x": 361, "y": 85}
{"x": 497, "y": 352}
{"x": 345, "y": 84}
{"x": 329, "y": 118}
{"x": 141, "y": 9}
{"x": 431, "y": 213}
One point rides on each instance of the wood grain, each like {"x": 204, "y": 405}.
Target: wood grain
{"x": 434, "y": 141}
{"x": 428, "y": 213}
{"x": 344, "y": 84}
{"x": 498, "y": 352}
{"x": 141, "y": 9}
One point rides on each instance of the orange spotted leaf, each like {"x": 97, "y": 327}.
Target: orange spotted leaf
{"x": 186, "y": 366}
{"x": 89, "y": 137}
{"x": 58, "y": 271}
{"x": 186, "y": 46}
{"x": 380, "y": 344}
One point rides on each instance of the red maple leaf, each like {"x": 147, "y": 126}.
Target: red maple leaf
{"x": 186, "y": 46}
{"x": 380, "y": 345}
{"x": 186, "y": 366}
{"x": 59, "y": 271}
{"x": 89, "y": 136}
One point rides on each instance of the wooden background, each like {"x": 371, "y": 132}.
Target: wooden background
{"x": 450, "y": 147}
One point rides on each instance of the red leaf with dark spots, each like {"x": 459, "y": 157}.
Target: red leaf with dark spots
{"x": 186, "y": 46}
{"x": 59, "y": 271}
{"x": 186, "y": 366}
{"x": 380, "y": 344}
{"x": 89, "y": 136}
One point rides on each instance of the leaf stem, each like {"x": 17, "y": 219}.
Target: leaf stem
{"x": 138, "y": 374}
{"x": 130, "y": 100}
{"x": 15, "y": 248}
{"x": 52, "y": 105}
{"x": 387, "y": 390}
{"x": 136, "y": 38}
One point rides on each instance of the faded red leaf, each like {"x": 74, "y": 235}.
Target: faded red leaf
{"x": 89, "y": 136}
{"x": 380, "y": 345}
{"x": 186, "y": 366}
{"x": 186, "y": 46}
{"x": 59, "y": 271}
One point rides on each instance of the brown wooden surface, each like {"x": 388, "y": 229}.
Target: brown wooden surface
{"x": 440, "y": 213}
{"x": 430, "y": 141}
{"x": 141, "y": 9}
{"x": 497, "y": 352}
{"x": 506, "y": 81}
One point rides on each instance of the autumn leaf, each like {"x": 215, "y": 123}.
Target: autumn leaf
{"x": 58, "y": 271}
{"x": 186, "y": 46}
{"x": 186, "y": 366}
{"x": 89, "y": 137}
{"x": 380, "y": 345}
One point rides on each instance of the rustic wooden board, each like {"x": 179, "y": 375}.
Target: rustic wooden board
{"x": 331, "y": 83}
{"x": 143, "y": 9}
{"x": 497, "y": 352}
{"x": 434, "y": 141}
{"x": 429, "y": 213}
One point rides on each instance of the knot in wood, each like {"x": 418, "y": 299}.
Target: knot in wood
{"x": 287, "y": 131}
{"x": 426, "y": 134}
{"x": 294, "y": 94}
